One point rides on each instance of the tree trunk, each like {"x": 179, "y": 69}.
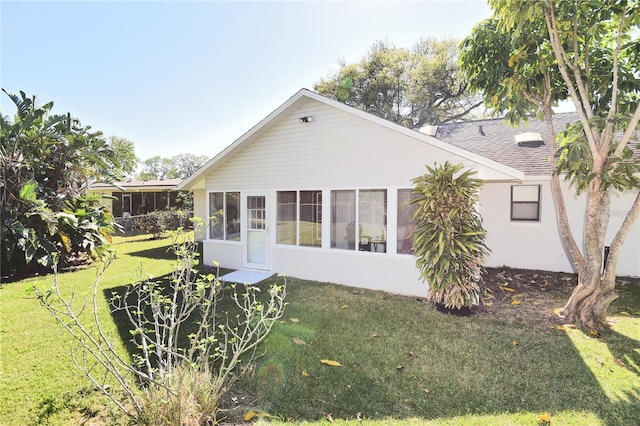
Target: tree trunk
{"x": 589, "y": 302}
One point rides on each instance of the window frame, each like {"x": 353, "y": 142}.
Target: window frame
{"x": 298, "y": 203}
{"x": 356, "y": 238}
{"x": 226, "y": 235}
{"x": 411, "y": 209}
{"x": 537, "y": 203}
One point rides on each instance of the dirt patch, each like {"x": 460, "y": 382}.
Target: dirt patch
{"x": 521, "y": 295}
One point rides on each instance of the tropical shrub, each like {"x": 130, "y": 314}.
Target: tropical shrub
{"x": 46, "y": 162}
{"x": 449, "y": 240}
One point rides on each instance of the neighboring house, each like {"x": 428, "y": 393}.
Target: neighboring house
{"x": 319, "y": 190}
{"x": 137, "y": 197}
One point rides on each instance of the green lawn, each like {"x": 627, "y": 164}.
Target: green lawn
{"x": 401, "y": 361}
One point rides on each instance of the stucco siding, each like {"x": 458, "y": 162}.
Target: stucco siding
{"x": 392, "y": 273}
{"x": 537, "y": 245}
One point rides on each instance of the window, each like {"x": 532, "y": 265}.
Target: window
{"x": 256, "y": 213}
{"x": 372, "y": 220}
{"x": 310, "y": 232}
{"x": 224, "y": 216}
{"x": 406, "y": 210}
{"x": 343, "y": 219}
{"x": 307, "y": 231}
{"x": 525, "y": 203}
{"x": 287, "y": 218}
{"x": 364, "y": 230}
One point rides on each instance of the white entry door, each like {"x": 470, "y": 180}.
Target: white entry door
{"x": 256, "y": 252}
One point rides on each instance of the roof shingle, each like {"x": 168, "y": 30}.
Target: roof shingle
{"x": 495, "y": 139}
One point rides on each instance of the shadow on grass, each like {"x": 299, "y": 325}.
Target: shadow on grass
{"x": 400, "y": 358}
{"x": 122, "y": 321}
{"x": 624, "y": 349}
{"x": 156, "y": 253}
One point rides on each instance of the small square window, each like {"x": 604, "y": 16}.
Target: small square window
{"x": 525, "y": 203}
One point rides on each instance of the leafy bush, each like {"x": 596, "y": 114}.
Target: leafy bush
{"x": 37, "y": 233}
{"x": 160, "y": 221}
{"x": 46, "y": 161}
{"x": 449, "y": 240}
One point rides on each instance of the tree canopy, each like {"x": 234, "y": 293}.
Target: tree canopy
{"x": 412, "y": 87}
{"x": 124, "y": 151}
{"x": 188, "y": 164}
{"x": 158, "y": 167}
{"x": 530, "y": 55}
{"x": 181, "y": 166}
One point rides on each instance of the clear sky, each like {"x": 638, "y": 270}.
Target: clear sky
{"x": 192, "y": 77}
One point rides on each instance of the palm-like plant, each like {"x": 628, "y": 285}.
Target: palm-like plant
{"x": 449, "y": 240}
{"x": 46, "y": 162}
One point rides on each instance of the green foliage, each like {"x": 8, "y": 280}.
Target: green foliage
{"x": 510, "y": 58}
{"x": 411, "y": 87}
{"x": 449, "y": 240}
{"x": 46, "y": 162}
{"x": 531, "y": 54}
{"x": 124, "y": 151}
{"x": 574, "y": 160}
{"x": 159, "y": 221}
{"x": 158, "y": 168}
{"x": 188, "y": 164}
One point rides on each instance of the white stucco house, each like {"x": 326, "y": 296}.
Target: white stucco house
{"x": 319, "y": 190}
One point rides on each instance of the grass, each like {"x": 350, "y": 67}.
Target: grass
{"x": 402, "y": 362}
{"x": 37, "y": 385}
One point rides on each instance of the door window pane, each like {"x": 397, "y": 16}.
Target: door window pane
{"x": 256, "y": 213}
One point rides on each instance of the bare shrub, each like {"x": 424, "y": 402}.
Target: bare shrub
{"x": 190, "y": 346}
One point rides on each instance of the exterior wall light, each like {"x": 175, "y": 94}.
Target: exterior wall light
{"x": 306, "y": 119}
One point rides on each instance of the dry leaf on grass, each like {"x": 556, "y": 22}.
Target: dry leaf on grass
{"x": 545, "y": 417}
{"x": 249, "y": 415}
{"x": 619, "y": 362}
{"x": 331, "y": 362}
{"x": 298, "y": 341}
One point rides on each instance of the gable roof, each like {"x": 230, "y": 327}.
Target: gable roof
{"x": 304, "y": 96}
{"x": 495, "y": 139}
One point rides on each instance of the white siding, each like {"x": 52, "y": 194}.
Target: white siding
{"x": 335, "y": 150}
